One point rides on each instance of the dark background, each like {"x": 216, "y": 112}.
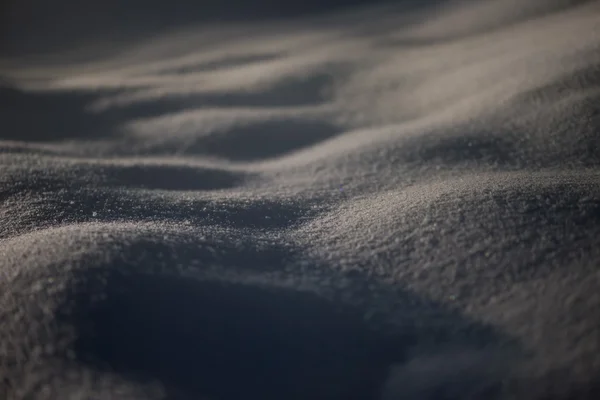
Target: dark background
{"x": 25, "y": 24}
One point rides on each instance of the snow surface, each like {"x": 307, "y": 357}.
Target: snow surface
{"x": 393, "y": 202}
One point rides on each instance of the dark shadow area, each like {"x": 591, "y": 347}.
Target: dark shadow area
{"x": 308, "y": 90}
{"x": 36, "y": 25}
{"x": 58, "y": 116}
{"x": 228, "y": 341}
{"x": 57, "y": 202}
{"x": 588, "y": 391}
{"x": 263, "y": 139}
{"x": 51, "y": 116}
{"x": 231, "y": 340}
{"x": 167, "y": 177}
{"x": 554, "y": 388}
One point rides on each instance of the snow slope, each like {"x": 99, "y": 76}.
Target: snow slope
{"x": 392, "y": 202}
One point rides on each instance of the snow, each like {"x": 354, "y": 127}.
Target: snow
{"x": 392, "y": 202}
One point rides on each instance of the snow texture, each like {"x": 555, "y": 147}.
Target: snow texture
{"x": 400, "y": 201}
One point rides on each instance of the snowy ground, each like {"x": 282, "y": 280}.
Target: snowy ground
{"x": 395, "y": 202}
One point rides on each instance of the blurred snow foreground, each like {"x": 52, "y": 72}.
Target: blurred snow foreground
{"x": 172, "y": 224}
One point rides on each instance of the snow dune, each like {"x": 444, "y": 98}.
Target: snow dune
{"x": 393, "y": 202}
